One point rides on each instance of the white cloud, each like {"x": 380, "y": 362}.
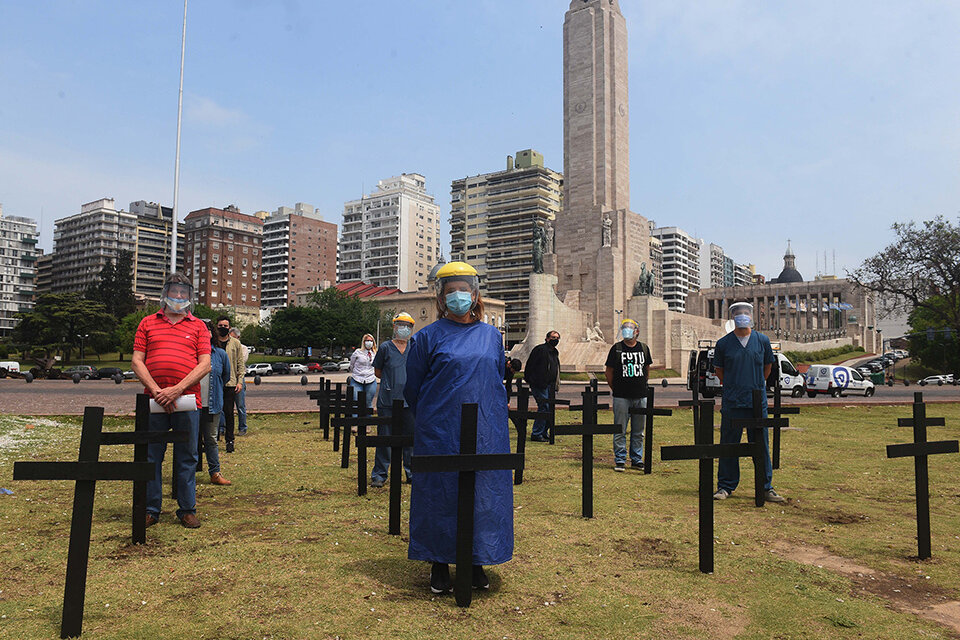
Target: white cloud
{"x": 205, "y": 111}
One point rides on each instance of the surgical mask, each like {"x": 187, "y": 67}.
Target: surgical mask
{"x": 223, "y": 331}
{"x": 554, "y": 342}
{"x": 403, "y": 332}
{"x": 368, "y": 344}
{"x": 742, "y": 321}
{"x": 627, "y": 333}
{"x": 177, "y": 305}
{"x": 459, "y": 302}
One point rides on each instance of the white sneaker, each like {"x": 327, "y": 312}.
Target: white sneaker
{"x": 721, "y": 494}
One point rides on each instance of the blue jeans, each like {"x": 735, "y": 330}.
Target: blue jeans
{"x": 541, "y": 395}
{"x": 728, "y": 469}
{"x": 241, "y": 402}
{"x": 382, "y": 460}
{"x": 210, "y": 448}
{"x": 184, "y": 461}
{"x": 621, "y": 415}
{"x": 370, "y": 388}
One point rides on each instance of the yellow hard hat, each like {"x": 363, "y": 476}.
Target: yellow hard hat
{"x": 456, "y": 269}
{"x": 403, "y": 316}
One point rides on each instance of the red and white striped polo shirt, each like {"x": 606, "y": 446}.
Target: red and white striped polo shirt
{"x": 172, "y": 350}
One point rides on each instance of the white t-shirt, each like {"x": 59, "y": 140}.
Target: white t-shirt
{"x": 744, "y": 339}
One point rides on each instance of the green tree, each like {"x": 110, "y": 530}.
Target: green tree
{"x": 330, "y": 317}
{"x": 251, "y": 335}
{"x": 58, "y": 318}
{"x": 204, "y": 312}
{"x": 114, "y": 286}
{"x": 934, "y": 344}
{"x": 126, "y": 330}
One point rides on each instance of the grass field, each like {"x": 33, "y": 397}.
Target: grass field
{"x": 290, "y": 551}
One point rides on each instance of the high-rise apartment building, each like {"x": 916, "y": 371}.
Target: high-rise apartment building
{"x": 391, "y": 237}
{"x": 151, "y": 258}
{"x": 85, "y": 241}
{"x": 222, "y": 256}
{"x": 681, "y": 265}
{"x": 299, "y": 252}
{"x": 712, "y": 266}
{"x": 492, "y": 219}
{"x": 18, "y": 274}
{"x": 44, "y": 273}
{"x": 743, "y": 275}
{"x": 656, "y": 265}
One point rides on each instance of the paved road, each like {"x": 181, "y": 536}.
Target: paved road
{"x": 283, "y": 394}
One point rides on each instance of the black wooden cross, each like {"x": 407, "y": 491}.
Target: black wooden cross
{"x": 361, "y": 422}
{"x": 396, "y": 442}
{"x": 705, "y": 451}
{"x": 649, "y": 411}
{"x": 141, "y": 438}
{"x": 360, "y": 412}
{"x": 694, "y": 402}
{"x": 588, "y": 429}
{"x": 919, "y": 449}
{"x": 338, "y": 409}
{"x": 778, "y": 411}
{"x": 324, "y": 397}
{"x": 759, "y": 462}
{"x": 553, "y": 401}
{"x": 85, "y": 471}
{"x": 519, "y": 417}
{"x": 202, "y": 421}
{"x": 466, "y": 464}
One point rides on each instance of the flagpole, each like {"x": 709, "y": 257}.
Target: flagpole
{"x": 176, "y": 170}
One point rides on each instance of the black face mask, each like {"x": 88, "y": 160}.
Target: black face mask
{"x": 223, "y": 331}
{"x": 554, "y": 342}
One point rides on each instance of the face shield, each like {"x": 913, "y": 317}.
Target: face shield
{"x": 402, "y": 326}
{"x": 742, "y": 314}
{"x": 177, "y": 297}
{"x": 629, "y": 329}
{"x": 458, "y": 293}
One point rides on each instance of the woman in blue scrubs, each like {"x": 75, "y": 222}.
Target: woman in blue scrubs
{"x": 457, "y": 360}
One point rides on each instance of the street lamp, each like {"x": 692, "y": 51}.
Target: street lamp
{"x": 82, "y": 338}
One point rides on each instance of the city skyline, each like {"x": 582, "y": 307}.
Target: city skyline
{"x": 832, "y": 119}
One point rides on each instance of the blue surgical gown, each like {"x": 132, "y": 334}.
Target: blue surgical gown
{"x": 743, "y": 369}
{"x": 450, "y": 364}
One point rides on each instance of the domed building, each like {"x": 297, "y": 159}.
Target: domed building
{"x": 789, "y": 273}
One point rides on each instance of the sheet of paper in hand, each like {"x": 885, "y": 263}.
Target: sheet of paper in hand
{"x": 186, "y": 402}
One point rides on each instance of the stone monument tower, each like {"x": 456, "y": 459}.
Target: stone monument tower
{"x": 600, "y": 243}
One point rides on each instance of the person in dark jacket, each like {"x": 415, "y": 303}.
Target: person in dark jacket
{"x": 541, "y": 373}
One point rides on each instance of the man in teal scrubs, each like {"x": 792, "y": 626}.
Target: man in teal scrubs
{"x": 743, "y": 359}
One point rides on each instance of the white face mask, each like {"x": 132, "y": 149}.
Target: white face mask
{"x": 368, "y": 344}
{"x": 403, "y": 332}
{"x": 177, "y": 305}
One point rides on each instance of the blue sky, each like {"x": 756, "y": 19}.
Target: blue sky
{"x": 751, "y": 122}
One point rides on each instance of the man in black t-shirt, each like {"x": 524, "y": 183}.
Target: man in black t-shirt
{"x": 627, "y": 368}
{"x": 541, "y": 373}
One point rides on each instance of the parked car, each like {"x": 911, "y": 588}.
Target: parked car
{"x": 314, "y": 366}
{"x": 344, "y": 365}
{"x": 864, "y": 370}
{"x": 331, "y": 366}
{"x": 129, "y": 375}
{"x": 86, "y": 372}
{"x": 296, "y": 367}
{"x": 837, "y": 381}
{"x": 9, "y": 366}
{"x": 280, "y": 368}
{"x": 259, "y": 369}
{"x": 107, "y": 373}
{"x": 939, "y": 380}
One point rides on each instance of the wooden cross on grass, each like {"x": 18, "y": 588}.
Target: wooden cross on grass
{"x": 587, "y": 430}
{"x": 466, "y": 464}
{"x": 705, "y": 451}
{"x": 759, "y": 422}
{"x": 324, "y": 398}
{"x": 649, "y": 411}
{"x": 919, "y": 449}
{"x": 779, "y": 411}
{"x": 86, "y": 471}
{"x": 519, "y": 417}
{"x": 553, "y": 401}
{"x": 397, "y": 441}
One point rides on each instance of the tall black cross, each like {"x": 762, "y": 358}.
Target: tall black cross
{"x": 466, "y": 464}
{"x": 85, "y": 471}
{"x": 361, "y": 422}
{"x": 359, "y": 409}
{"x": 337, "y": 410}
{"x": 694, "y": 402}
{"x": 759, "y": 462}
{"x": 779, "y": 411}
{"x": 588, "y": 429}
{"x": 649, "y": 411}
{"x": 202, "y": 420}
{"x": 705, "y": 451}
{"x": 553, "y": 401}
{"x": 919, "y": 449}
{"x": 519, "y": 417}
{"x": 141, "y": 438}
{"x": 324, "y": 398}
{"x": 396, "y": 442}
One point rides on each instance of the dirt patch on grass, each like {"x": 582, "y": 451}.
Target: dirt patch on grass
{"x": 707, "y": 619}
{"x": 647, "y": 552}
{"x": 913, "y": 595}
{"x": 840, "y": 517}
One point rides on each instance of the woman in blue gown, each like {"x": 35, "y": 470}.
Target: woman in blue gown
{"x": 457, "y": 360}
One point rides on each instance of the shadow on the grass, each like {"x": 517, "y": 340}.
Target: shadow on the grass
{"x": 410, "y": 578}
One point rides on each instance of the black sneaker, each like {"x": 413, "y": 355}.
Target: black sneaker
{"x": 619, "y": 467}
{"x": 440, "y": 581}
{"x": 480, "y": 578}
{"x": 230, "y": 447}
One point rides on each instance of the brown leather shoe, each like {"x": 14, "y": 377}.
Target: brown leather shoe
{"x": 190, "y": 521}
{"x": 151, "y": 520}
{"x": 217, "y": 478}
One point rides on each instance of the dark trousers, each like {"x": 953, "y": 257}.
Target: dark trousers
{"x": 229, "y": 393}
{"x": 728, "y": 469}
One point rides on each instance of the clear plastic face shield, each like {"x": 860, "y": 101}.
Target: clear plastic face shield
{"x": 458, "y": 294}
{"x": 177, "y": 297}
{"x": 629, "y": 330}
{"x": 742, "y": 315}
{"x": 402, "y": 326}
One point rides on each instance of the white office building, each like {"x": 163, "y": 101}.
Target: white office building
{"x": 681, "y": 265}
{"x": 18, "y": 273}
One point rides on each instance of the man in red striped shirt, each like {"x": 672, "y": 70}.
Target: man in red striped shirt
{"x": 171, "y": 354}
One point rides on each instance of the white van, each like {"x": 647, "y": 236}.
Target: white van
{"x": 702, "y": 373}
{"x": 9, "y": 366}
{"x": 836, "y": 380}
